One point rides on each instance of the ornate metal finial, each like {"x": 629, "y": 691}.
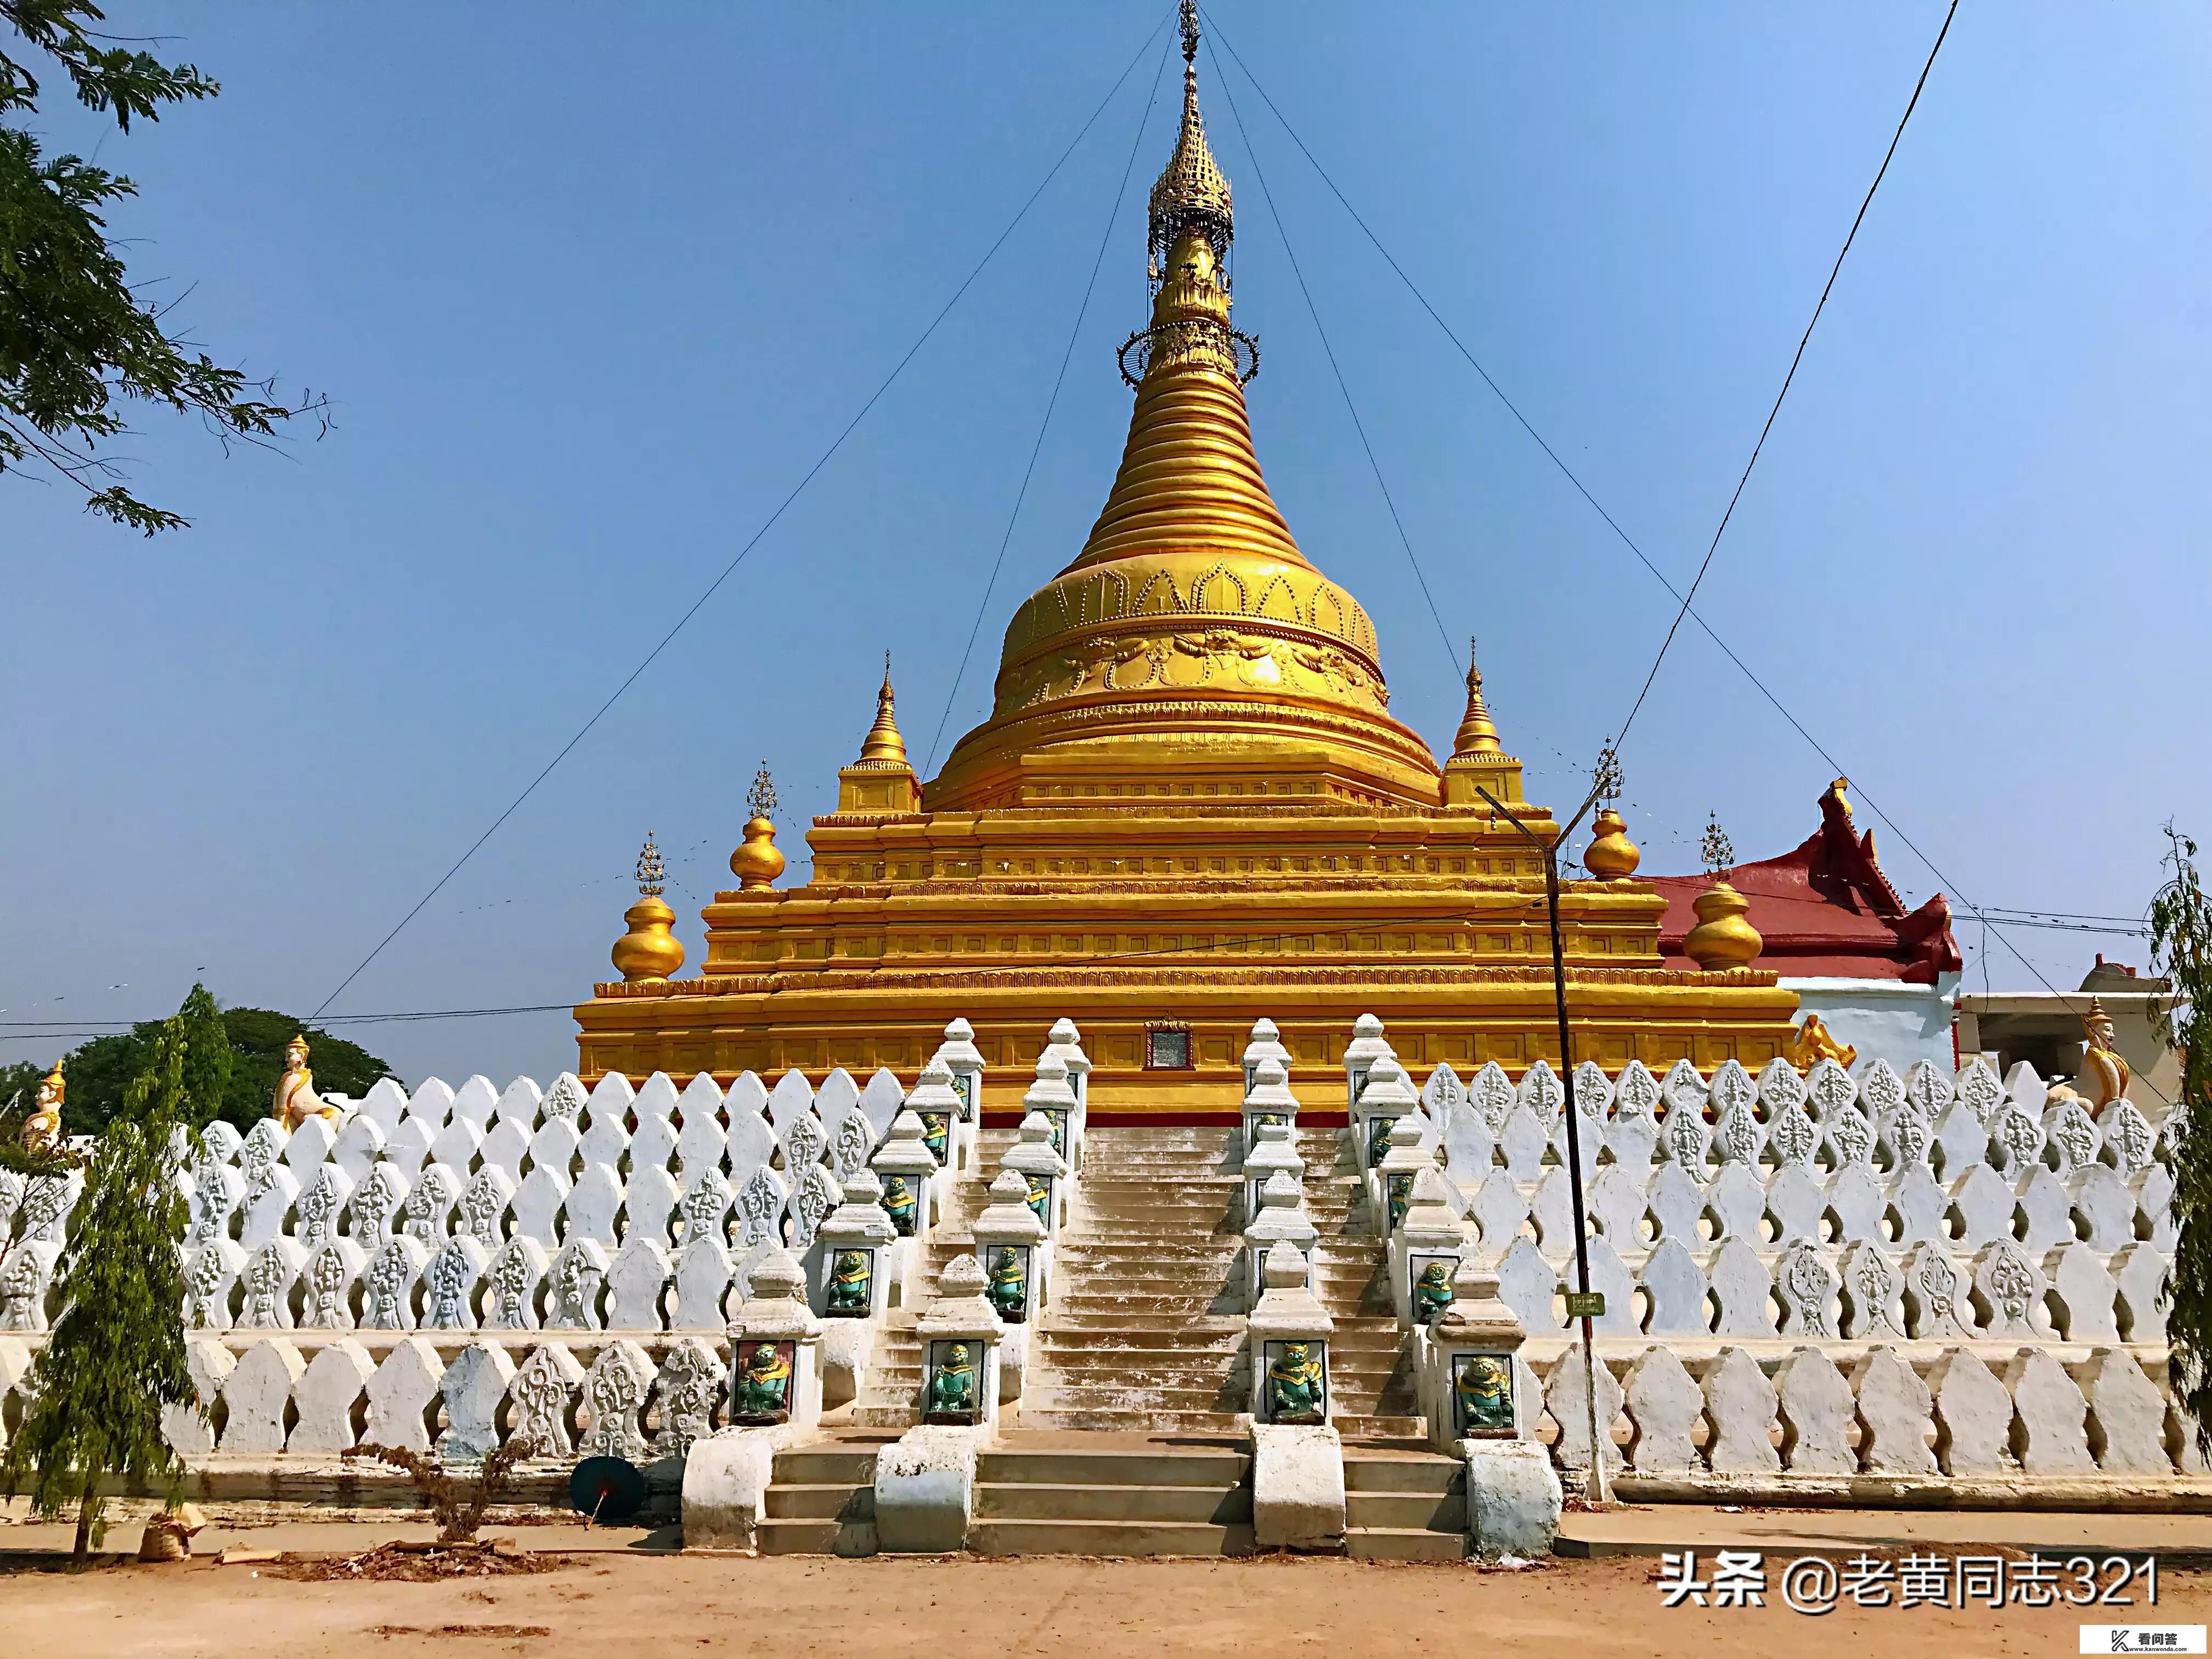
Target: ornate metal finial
{"x": 1606, "y": 775}
{"x": 651, "y": 875}
{"x": 760, "y": 799}
{"x": 1191, "y": 195}
{"x": 1717, "y": 850}
{"x": 1190, "y": 30}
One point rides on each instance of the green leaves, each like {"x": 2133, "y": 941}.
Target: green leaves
{"x": 77, "y": 343}
{"x": 2181, "y": 951}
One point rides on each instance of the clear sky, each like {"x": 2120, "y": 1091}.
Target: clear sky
{"x": 590, "y": 301}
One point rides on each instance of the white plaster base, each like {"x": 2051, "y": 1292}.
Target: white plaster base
{"x": 925, "y": 1490}
{"x": 1298, "y": 1487}
{"x": 1513, "y": 1498}
{"x": 846, "y": 1344}
{"x": 725, "y": 1481}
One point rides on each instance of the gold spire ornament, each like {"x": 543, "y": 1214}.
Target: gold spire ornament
{"x": 883, "y": 746}
{"x": 1611, "y": 856}
{"x": 1722, "y": 939}
{"x": 1190, "y": 194}
{"x": 1478, "y": 732}
{"x": 650, "y": 950}
{"x": 758, "y": 863}
{"x": 882, "y": 781}
{"x": 42, "y": 1129}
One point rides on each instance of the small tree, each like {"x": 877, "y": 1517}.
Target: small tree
{"x": 2181, "y": 951}
{"x": 117, "y": 1357}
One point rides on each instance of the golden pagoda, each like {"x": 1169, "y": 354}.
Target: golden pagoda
{"x": 1190, "y": 807}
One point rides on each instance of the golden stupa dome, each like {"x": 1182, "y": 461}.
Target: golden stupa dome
{"x": 1190, "y": 615}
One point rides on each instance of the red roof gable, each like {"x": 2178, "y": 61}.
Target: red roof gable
{"x": 1825, "y": 910}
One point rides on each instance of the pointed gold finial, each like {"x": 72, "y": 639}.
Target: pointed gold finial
{"x": 1190, "y": 194}
{"x": 1478, "y": 732}
{"x": 650, "y": 950}
{"x": 883, "y": 745}
{"x": 1723, "y": 937}
{"x": 758, "y": 863}
{"x": 651, "y": 874}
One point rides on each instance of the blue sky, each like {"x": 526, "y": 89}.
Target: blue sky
{"x": 590, "y": 302}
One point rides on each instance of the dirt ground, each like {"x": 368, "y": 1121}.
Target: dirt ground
{"x": 783, "y": 1607}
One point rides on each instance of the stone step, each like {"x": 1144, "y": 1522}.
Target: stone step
{"x": 1110, "y": 1539}
{"x": 812, "y": 1536}
{"x": 1413, "y": 1510}
{"x": 1227, "y": 1465}
{"x": 826, "y": 1465}
{"x": 1220, "y": 1505}
{"x": 1131, "y": 1397}
{"x": 1432, "y": 1473}
{"x": 869, "y": 1414}
{"x": 1129, "y": 1420}
{"x": 1393, "y": 1544}
{"x": 821, "y": 1502}
{"x": 1372, "y": 1426}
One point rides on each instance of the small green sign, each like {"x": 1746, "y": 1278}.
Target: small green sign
{"x": 1585, "y": 1305}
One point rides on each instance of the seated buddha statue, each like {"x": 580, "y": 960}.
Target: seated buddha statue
{"x": 1295, "y": 1386}
{"x": 42, "y": 1129}
{"x": 848, "y": 1285}
{"x": 898, "y": 1204}
{"x": 1009, "y": 1290}
{"x": 295, "y": 1100}
{"x": 1484, "y": 1393}
{"x": 952, "y": 1388}
{"x": 935, "y": 1126}
{"x": 1432, "y": 1293}
{"x": 2102, "y": 1069}
{"x": 762, "y": 1392}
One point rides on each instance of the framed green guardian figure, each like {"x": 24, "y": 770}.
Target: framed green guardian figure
{"x": 852, "y": 1284}
{"x": 1482, "y": 1396}
{"x": 1006, "y": 1281}
{"x": 760, "y": 1382}
{"x": 1296, "y": 1386}
{"x": 954, "y": 1391}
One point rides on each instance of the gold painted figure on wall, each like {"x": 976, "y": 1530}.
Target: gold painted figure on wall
{"x": 295, "y": 1100}
{"x": 42, "y": 1129}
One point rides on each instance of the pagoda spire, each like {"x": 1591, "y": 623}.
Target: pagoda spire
{"x": 1478, "y": 732}
{"x": 1190, "y": 194}
{"x": 884, "y": 744}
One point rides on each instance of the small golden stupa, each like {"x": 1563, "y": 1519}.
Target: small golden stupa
{"x": 1191, "y": 805}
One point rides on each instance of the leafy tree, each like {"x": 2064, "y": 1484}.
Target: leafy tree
{"x": 116, "y": 1355}
{"x": 237, "y": 1069}
{"x": 78, "y": 341}
{"x": 2181, "y": 949}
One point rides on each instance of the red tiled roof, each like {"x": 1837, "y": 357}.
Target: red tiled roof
{"x": 1825, "y": 910}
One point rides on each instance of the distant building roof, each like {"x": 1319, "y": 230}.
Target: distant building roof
{"x": 1825, "y": 910}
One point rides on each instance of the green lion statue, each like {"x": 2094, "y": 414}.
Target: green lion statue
{"x": 1009, "y": 1289}
{"x": 849, "y": 1284}
{"x": 952, "y": 1387}
{"x": 1432, "y": 1293}
{"x": 1484, "y": 1393}
{"x": 762, "y": 1392}
{"x": 1295, "y": 1389}
{"x": 898, "y": 1203}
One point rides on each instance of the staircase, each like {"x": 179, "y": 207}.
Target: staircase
{"x": 1403, "y": 1506}
{"x": 893, "y": 1382}
{"x": 1112, "y": 1495}
{"x": 820, "y": 1501}
{"x": 1143, "y": 1332}
{"x": 1371, "y": 1368}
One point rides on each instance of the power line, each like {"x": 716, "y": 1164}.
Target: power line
{"x": 1804, "y": 340}
{"x": 714, "y": 585}
{"x": 1214, "y": 31}
{"x": 1313, "y": 311}
{"x": 1144, "y": 119}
